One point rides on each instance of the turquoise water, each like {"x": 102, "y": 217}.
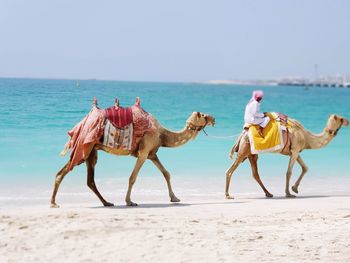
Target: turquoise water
{"x": 36, "y": 115}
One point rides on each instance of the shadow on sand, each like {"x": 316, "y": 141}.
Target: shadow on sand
{"x": 239, "y": 200}
{"x": 172, "y": 205}
{"x": 295, "y": 198}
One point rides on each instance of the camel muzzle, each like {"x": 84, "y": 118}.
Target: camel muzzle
{"x": 345, "y": 122}
{"x": 210, "y": 120}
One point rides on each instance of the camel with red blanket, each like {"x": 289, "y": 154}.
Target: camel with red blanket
{"x": 87, "y": 137}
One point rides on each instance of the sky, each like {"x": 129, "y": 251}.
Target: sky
{"x": 182, "y": 40}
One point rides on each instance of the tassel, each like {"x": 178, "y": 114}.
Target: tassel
{"x": 65, "y": 150}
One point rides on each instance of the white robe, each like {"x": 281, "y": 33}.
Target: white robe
{"x": 252, "y": 114}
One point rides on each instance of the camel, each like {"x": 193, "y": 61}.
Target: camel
{"x": 298, "y": 140}
{"x": 146, "y": 148}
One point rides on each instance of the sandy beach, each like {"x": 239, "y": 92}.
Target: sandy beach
{"x": 304, "y": 229}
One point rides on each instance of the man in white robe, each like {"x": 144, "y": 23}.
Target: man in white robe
{"x": 252, "y": 113}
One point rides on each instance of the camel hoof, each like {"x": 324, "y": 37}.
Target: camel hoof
{"x": 175, "y": 199}
{"x": 290, "y": 196}
{"x": 229, "y": 197}
{"x": 268, "y": 195}
{"x": 131, "y": 204}
{"x": 54, "y": 205}
{"x": 108, "y": 204}
{"x": 295, "y": 189}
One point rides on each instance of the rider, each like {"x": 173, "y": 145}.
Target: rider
{"x": 252, "y": 113}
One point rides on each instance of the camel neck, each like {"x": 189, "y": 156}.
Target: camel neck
{"x": 316, "y": 141}
{"x": 175, "y": 139}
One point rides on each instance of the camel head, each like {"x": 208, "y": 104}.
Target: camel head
{"x": 335, "y": 122}
{"x": 198, "y": 121}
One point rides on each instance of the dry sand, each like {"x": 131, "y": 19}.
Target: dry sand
{"x": 304, "y": 229}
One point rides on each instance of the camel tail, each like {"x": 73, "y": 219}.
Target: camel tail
{"x": 235, "y": 146}
{"x": 233, "y": 150}
{"x": 65, "y": 150}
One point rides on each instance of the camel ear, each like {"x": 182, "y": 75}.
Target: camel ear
{"x": 198, "y": 114}
{"x": 335, "y": 117}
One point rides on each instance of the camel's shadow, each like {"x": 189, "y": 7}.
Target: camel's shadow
{"x": 226, "y": 202}
{"x": 295, "y": 198}
{"x": 164, "y": 205}
{"x": 149, "y": 205}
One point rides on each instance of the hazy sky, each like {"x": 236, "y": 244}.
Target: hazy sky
{"x": 182, "y": 40}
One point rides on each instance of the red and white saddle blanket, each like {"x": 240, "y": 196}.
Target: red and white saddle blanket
{"x": 124, "y": 125}
{"x": 118, "y": 138}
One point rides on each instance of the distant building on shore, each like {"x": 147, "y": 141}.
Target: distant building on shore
{"x": 337, "y": 81}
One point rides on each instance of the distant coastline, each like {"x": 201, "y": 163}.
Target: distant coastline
{"x": 328, "y": 81}
{"x": 241, "y": 82}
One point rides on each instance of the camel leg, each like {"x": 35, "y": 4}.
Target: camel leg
{"x": 59, "y": 177}
{"x": 292, "y": 160}
{"x": 140, "y": 161}
{"x": 166, "y": 174}
{"x": 229, "y": 173}
{"x": 253, "y": 159}
{"x": 90, "y": 164}
{"x": 303, "y": 172}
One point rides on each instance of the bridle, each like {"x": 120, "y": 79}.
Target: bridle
{"x": 198, "y": 128}
{"x": 333, "y": 132}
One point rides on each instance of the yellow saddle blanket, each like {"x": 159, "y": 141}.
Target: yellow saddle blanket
{"x": 272, "y": 140}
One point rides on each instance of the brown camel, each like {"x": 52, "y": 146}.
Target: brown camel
{"x": 299, "y": 140}
{"x": 146, "y": 148}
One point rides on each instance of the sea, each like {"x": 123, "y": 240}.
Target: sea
{"x": 36, "y": 114}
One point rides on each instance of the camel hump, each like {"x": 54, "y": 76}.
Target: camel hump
{"x": 296, "y": 124}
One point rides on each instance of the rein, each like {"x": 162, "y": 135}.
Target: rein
{"x": 332, "y": 132}
{"x": 224, "y": 137}
{"x": 194, "y": 127}
{"x": 287, "y": 140}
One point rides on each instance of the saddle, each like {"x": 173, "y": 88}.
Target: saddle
{"x": 282, "y": 118}
{"x": 124, "y": 125}
{"x": 119, "y": 116}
